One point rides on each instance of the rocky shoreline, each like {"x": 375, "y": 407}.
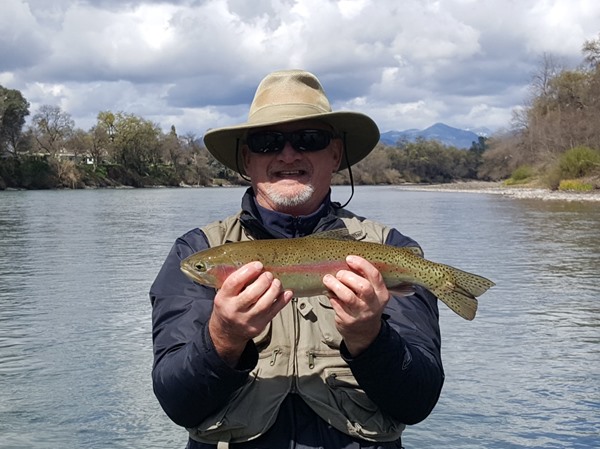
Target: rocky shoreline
{"x": 498, "y": 188}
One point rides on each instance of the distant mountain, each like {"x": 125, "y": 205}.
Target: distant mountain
{"x": 447, "y": 135}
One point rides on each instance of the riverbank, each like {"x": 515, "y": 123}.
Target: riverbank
{"x": 494, "y": 188}
{"x": 498, "y": 188}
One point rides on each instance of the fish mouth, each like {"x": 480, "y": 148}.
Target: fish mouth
{"x": 189, "y": 272}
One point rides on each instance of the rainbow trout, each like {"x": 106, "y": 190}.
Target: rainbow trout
{"x": 301, "y": 263}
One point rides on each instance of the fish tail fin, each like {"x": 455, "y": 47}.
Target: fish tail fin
{"x": 461, "y": 294}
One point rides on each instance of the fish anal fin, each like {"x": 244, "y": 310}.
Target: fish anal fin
{"x": 462, "y": 304}
{"x": 403, "y": 289}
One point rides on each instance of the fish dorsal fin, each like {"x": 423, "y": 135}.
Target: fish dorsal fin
{"x": 336, "y": 234}
{"x": 415, "y": 250}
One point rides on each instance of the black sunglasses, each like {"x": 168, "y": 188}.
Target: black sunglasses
{"x": 301, "y": 140}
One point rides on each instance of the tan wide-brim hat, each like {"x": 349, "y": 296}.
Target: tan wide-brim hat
{"x": 288, "y": 96}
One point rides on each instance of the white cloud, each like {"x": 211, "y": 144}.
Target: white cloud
{"x": 351, "y": 9}
{"x": 196, "y": 64}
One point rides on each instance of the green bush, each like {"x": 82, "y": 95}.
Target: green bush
{"x": 520, "y": 175}
{"x": 578, "y": 162}
{"x": 575, "y": 185}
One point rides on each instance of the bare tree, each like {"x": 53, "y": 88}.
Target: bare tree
{"x": 547, "y": 70}
{"x": 51, "y": 129}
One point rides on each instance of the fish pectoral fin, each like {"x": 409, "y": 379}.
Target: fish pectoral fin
{"x": 403, "y": 289}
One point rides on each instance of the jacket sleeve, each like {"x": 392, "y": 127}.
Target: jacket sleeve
{"x": 402, "y": 370}
{"x": 189, "y": 378}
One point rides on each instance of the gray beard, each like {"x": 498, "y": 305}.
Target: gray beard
{"x": 286, "y": 201}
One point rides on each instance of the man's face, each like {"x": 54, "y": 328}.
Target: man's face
{"x": 291, "y": 181}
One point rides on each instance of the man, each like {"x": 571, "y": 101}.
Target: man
{"x": 252, "y": 366}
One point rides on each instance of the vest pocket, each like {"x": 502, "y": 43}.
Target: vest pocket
{"x": 348, "y": 395}
{"x": 326, "y": 321}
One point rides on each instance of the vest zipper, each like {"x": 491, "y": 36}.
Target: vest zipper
{"x": 274, "y": 356}
{"x": 312, "y": 355}
{"x": 311, "y": 359}
{"x": 294, "y": 388}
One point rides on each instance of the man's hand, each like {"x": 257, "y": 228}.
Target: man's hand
{"x": 243, "y": 307}
{"x": 358, "y": 297}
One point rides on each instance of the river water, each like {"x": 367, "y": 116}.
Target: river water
{"x": 75, "y": 332}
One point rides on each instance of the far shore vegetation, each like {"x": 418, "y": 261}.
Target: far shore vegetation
{"x": 553, "y": 141}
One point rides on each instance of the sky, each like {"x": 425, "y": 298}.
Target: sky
{"x": 196, "y": 64}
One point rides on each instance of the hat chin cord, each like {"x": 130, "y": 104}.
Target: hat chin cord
{"x": 335, "y": 205}
{"x": 338, "y": 205}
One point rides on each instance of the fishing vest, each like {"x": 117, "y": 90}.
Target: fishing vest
{"x": 299, "y": 352}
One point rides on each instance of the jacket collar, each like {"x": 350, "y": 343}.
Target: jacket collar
{"x": 263, "y": 223}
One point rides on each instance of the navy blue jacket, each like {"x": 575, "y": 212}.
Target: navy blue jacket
{"x": 401, "y": 371}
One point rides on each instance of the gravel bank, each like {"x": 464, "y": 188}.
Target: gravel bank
{"x": 497, "y": 188}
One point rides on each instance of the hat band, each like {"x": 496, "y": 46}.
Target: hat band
{"x": 285, "y": 112}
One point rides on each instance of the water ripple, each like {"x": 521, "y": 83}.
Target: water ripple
{"x": 75, "y": 331}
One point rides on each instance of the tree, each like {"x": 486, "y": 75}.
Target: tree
{"x": 533, "y": 119}
{"x": 13, "y": 110}
{"x": 135, "y": 141}
{"x": 79, "y": 144}
{"x": 376, "y": 168}
{"x": 562, "y": 114}
{"x": 51, "y": 129}
{"x": 172, "y": 147}
{"x": 548, "y": 69}
{"x": 99, "y": 144}
{"x": 591, "y": 52}
{"x": 106, "y": 122}
{"x": 480, "y": 146}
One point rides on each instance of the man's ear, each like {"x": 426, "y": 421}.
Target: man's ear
{"x": 338, "y": 152}
{"x": 245, "y": 156}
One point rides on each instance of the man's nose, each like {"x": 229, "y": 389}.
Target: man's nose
{"x": 289, "y": 153}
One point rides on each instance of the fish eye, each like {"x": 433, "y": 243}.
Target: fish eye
{"x": 200, "y": 266}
